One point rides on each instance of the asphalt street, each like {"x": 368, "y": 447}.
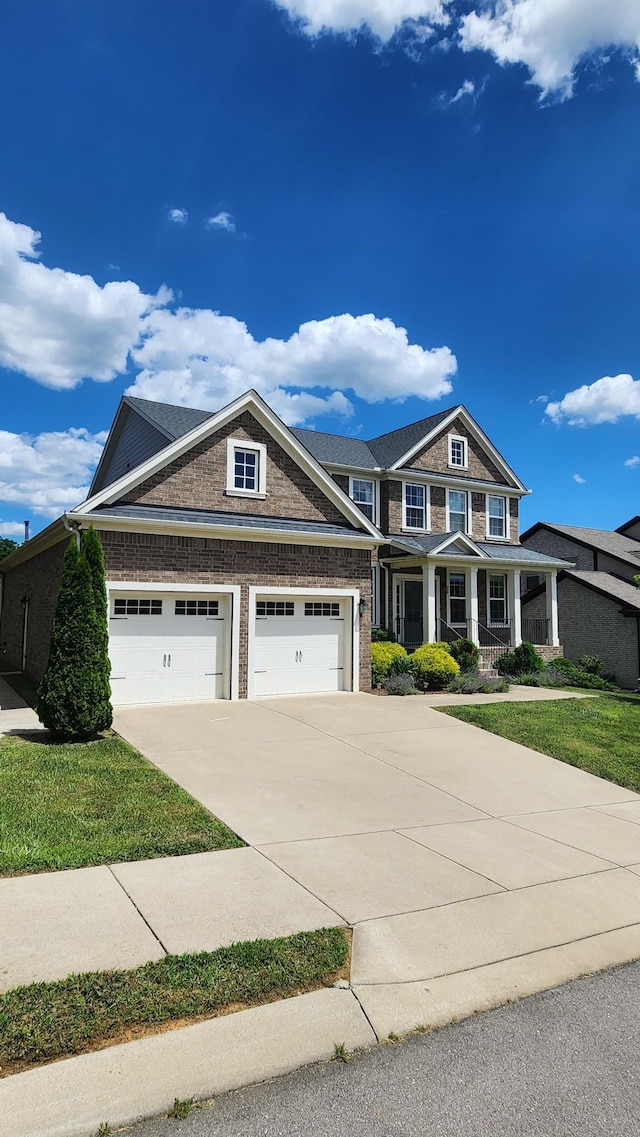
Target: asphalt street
{"x": 559, "y": 1064}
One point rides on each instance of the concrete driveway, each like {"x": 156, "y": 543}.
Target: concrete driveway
{"x": 473, "y": 869}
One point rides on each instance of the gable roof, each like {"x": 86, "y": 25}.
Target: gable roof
{"x": 609, "y": 541}
{"x": 622, "y": 591}
{"x": 389, "y": 448}
{"x": 628, "y": 524}
{"x": 432, "y": 544}
{"x": 337, "y": 449}
{"x": 252, "y": 402}
{"x": 172, "y": 421}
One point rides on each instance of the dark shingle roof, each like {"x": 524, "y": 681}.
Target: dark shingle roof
{"x": 620, "y": 590}
{"x": 336, "y": 449}
{"x": 172, "y": 421}
{"x": 388, "y": 448}
{"x": 516, "y": 553}
{"x": 232, "y": 520}
{"x": 605, "y": 540}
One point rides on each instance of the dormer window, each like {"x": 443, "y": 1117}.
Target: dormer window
{"x": 246, "y": 468}
{"x": 458, "y": 451}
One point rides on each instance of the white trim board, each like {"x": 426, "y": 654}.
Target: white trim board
{"x": 252, "y": 402}
{"x": 227, "y": 532}
{"x": 232, "y": 590}
{"x": 283, "y": 590}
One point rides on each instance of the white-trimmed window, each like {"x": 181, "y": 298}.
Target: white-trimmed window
{"x": 457, "y": 598}
{"x": 246, "y": 468}
{"x": 363, "y": 492}
{"x": 457, "y": 510}
{"x": 458, "y": 451}
{"x": 496, "y": 516}
{"x": 415, "y": 506}
{"x": 497, "y": 598}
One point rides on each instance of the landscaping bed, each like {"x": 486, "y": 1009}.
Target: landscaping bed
{"x": 47, "y": 1021}
{"x": 74, "y": 804}
{"x": 599, "y": 735}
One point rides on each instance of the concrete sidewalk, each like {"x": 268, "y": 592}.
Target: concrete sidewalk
{"x": 15, "y": 715}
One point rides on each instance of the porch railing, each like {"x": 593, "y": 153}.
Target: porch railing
{"x": 409, "y": 631}
{"x": 536, "y": 631}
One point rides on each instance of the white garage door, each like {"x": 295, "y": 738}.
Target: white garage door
{"x": 166, "y": 647}
{"x": 301, "y": 645}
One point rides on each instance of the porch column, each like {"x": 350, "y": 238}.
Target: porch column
{"x": 474, "y": 631}
{"x": 551, "y": 594}
{"x": 515, "y": 607}
{"x": 429, "y": 623}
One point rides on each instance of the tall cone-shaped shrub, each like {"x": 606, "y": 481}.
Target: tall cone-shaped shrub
{"x": 94, "y": 556}
{"x": 70, "y": 697}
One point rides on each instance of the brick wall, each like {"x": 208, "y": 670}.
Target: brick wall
{"x": 435, "y": 456}
{"x": 39, "y": 580}
{"x": 198, "y": 479}
{"x": 195, "y": 560}
{"x": 589, "y": 622}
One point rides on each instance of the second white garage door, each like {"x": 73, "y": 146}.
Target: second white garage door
{"x": 302, "y": 645}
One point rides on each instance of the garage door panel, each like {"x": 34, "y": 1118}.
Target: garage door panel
{"x": 300, "y": 653}
{"x": 176, "y": 653}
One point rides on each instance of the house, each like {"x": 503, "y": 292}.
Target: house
{"x": 246, "y": 558}
{"x": 598, "y": 601}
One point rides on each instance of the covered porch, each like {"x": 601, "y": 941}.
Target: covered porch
{"x": 454, "y": 592}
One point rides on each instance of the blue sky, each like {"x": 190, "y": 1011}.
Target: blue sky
{"x": 368, "y": 223}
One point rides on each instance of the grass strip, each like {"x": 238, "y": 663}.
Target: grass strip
{"x": 599, "y": 735}
{"x": 45, "y": 1021}
{"x": 74, "y": 804}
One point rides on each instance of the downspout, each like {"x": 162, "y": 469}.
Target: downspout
{"x": 72, "y": 528}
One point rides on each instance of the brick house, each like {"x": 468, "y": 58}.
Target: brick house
{"x": 598, "y": 601}
{"x": 245, "y": 558}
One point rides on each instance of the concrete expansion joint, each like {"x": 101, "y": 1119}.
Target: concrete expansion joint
{"x": 140, "y": 913}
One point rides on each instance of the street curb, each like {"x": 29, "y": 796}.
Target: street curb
{"x": 123, "y": 1084}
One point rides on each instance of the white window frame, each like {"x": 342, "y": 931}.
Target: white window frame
{"x": 376, "y": 495}
{"x": 464, "y": 465}
{"x": 456, "y": 489}
{"x": 496, "y": 623}
{"x": 258, "y": 448}
{"x": 492, "y": 536}
{"x": 458, "y": 572}
{"x": 425, "y": 487}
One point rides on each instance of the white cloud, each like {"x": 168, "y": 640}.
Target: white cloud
{"x": 579, "y": 479}
{"x": 11, "y": 529}
{"x": 466, "y": 91}
{"x": 551, "y": 37}
{"x": 179, "y": 216}
{"x": 382, "y": 17}
{"x": 200, "y": 358}
{"x": 633, "y": 462}
{"x": 606, "y": 400}
{"x": 58, "y": 327}
{"x": 221, "y": 220}
{"x": 48, "y": 472}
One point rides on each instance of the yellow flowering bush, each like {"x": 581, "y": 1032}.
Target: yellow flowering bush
{"x": 382, "y": 655}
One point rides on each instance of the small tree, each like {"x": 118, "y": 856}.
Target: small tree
{"x": 7, "y": 546}
{"x": 94, "y": 556}
{"x": 71, "y": 695}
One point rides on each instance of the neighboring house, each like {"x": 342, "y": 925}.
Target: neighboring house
{"x": 240, "y": 554}
{"x": 598, "y": 601}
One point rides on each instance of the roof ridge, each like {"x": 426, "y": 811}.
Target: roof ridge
{"x": 416, "y": 422}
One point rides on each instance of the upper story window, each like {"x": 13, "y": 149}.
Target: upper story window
{"x": 246, "y": 468}
{"x": 458, "y": 451}
{"x": 414, "y": 513}
{"x": 363, "y": 492}
{"x": 457, "y": 509}
{"x": 496, "y": 516}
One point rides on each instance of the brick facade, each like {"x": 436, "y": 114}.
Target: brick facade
{"x": 39, "y": 581}
{"x": 591, "y": 623}
{"x": 196, "y": 560}
{"x": 197, "y": 480}
{"x": 435, "y": 456}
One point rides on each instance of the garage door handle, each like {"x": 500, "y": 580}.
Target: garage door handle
{"x": 169, "y": 661}
{"x": 164, "y": 661}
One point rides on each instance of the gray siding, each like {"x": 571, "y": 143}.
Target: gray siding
{"x": 555, "y": 545}
{"x": 137, "y": 440}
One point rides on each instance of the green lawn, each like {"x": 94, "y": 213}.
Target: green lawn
{"x": 45, "y": 1021}
{"x": 600, "y": 735}
{"x": 73, "y": 804}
